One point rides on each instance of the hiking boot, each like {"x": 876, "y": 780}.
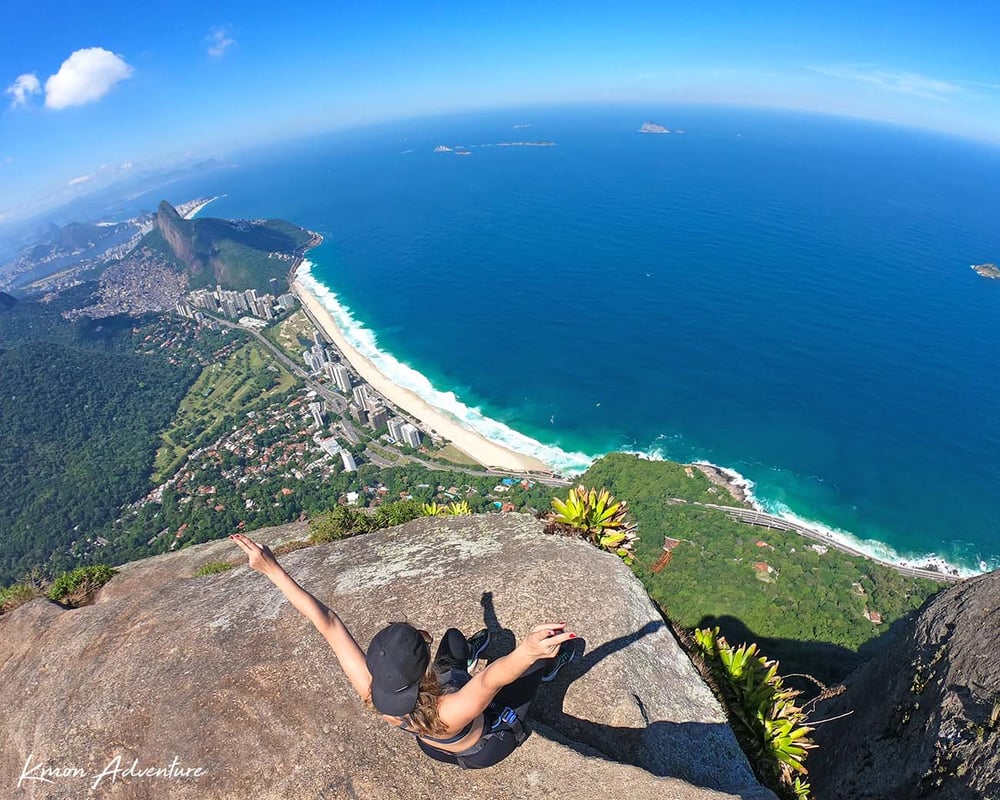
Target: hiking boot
{"x": 566, "y": 654}
{"x": 477, "y": 643}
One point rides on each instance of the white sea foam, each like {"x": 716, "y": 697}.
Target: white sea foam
{"x": 874, "y": 548}
{"x": 366, "y": 343}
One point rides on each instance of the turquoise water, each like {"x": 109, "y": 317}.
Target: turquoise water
{"x": 788, "y": 296}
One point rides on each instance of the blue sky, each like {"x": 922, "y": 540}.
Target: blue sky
{"x": 94, "y": 89}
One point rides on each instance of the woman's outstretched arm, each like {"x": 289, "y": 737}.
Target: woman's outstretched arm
{"x": 349, "y": 654}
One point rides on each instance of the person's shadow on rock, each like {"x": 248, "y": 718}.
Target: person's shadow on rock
{"x": 691, "y": 751}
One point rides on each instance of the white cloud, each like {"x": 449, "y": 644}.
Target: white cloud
{"x": 22, "y": 88}
{"x": 219, "y": 41}
{"x": 87, "y": 75}
{"x": 8, "y": 161}
{"x": 911, "y": 83}
{"x": 79, "y": 180}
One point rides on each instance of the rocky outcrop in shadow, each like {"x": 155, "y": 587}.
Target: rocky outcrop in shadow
{"x": 923, "y": 719}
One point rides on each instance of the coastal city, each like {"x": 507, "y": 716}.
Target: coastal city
{"x": 323, "y": 362}
{"x": 264, "y": 445}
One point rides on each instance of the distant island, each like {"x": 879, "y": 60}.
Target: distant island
{"x": 987, "y": 270}
{"x": 460, "y": 150}
{"x": 652, "y": 127}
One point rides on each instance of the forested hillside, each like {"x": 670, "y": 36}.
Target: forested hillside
{"x": 78, "y": 428}
{"x": 805, "y": 606}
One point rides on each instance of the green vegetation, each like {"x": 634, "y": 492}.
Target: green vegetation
{"x": 17, "y": 594}
{"x": 77, "y": 587}
{"x": 71, "y": 589}
{"x": 345, "y": 521}
{"x": 768, "y": 720}
{"x": 78, "y": 430}
{"x": 808, "y": 612}
{"x": 235, "y": 254}
{"x": 213, "y": 568}
{"x": 453, "y": 455}
{"x": 598, "y": 517}
{"x": 459, "y": 509}
{"x": 223, "y": 391}
{"x": 291, "y": 335}
{"x": 26, "y": 321}
{"x": 150, "y": 528}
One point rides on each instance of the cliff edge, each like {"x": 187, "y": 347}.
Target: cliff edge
{"x": 220, "y": 674}
{"x": 924, "y": 718}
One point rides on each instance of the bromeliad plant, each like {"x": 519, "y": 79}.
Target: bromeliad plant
{"x": 766, "y": 709}
{"x": 459, "y": 509}
{"x": 599, "y": 517}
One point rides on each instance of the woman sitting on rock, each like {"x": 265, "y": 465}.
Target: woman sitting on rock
{"x": 474, "y": 721}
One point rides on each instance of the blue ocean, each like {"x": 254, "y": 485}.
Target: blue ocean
{"x": 787, "y": 296}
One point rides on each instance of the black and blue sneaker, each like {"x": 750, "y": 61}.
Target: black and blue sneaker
{"x": 477, "y": 643}
{"x": 566, "y": 654}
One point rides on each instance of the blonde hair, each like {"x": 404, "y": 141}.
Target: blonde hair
{"x": 424, "y": 718}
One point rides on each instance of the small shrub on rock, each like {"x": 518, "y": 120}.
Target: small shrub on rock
{"x": 345, "y": 521}
{"x": 20, "y": 593}
{"x": 458, "y": 509}
{"x": 77, "y": 587}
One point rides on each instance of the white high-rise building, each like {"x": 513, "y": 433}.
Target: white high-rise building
{"x": 350, "y": 465}
{"x": 411, "y": 435}
{"x": 316, "y": 409}
{"x": 362, "y": 398}
{"x": 342, "y": 377}
{"x": 395, "y": 426}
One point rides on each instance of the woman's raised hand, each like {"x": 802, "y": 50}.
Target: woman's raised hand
{"x": 544, "y": 640}
{"x": 259, "y": 556}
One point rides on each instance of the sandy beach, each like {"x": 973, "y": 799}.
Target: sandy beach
{"x": 194, "y": 211}
{"x": 475, "y": 445}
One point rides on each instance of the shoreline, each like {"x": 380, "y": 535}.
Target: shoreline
{"x": 491, "y": 454}
{"x": 740, "y": 488}
{"x": 433, "y": 420}
{"x": 194, "y": 211}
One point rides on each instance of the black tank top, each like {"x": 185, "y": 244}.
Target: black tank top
{"x": 453, "y": 679}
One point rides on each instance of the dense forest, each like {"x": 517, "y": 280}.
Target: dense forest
{"x": 78, "y": 427}
{"x": 809, "y": 611}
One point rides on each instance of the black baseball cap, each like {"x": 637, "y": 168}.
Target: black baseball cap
{"x": 397, "y": 659}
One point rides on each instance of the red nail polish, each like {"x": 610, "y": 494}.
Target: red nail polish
{"x": 572, "y": 636}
